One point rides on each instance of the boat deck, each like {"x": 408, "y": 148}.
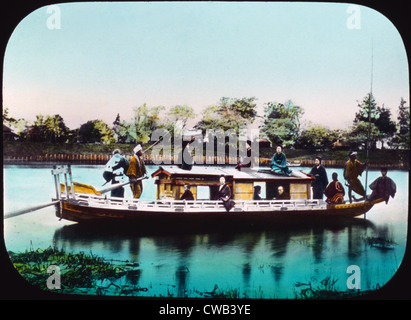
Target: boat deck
{"x": 195, "y": 206}
{"x": 77, "y": 206}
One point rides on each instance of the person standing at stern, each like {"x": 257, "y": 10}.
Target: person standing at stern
{"x": 136, "y": 171}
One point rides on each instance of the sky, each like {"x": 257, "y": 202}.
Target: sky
{"x": 87, "y": 61}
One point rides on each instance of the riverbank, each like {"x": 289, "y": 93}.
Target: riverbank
{"x": 23, "y": 152}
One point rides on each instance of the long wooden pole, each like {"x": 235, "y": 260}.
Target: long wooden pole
{"x": 118, "y": 185}
{"x": 369, "y": 118}
{"x": 30, "y": 209}
{"x": 44, "y": 205}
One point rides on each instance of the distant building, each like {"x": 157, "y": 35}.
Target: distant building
{"x": 340, "y": 145}
{"x": 8, "y": 134}
{"x": 264, "y": 143}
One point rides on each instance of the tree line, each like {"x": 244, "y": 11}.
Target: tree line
{"x": 281, "y": 124}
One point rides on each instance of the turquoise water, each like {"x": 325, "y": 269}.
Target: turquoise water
{"x": 254, "y": 264}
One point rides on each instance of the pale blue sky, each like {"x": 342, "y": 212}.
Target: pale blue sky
{"x": 110, "y": 57}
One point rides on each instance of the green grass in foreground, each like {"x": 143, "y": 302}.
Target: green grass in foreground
{"x": 89, "y": 274}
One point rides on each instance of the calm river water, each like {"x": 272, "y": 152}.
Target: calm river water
{"x": 257, "y": 264}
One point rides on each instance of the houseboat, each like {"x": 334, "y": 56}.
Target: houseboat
{"x": 83, "y": 203}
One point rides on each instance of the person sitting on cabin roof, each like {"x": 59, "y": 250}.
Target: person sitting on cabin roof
{"x": 383, "y": 187}
{"x": 224, "y": 194}
{"x": 187, "y": 195}
{"x": 136, "y": 170}
{"x": 115, "y": 171}
{"x": 335, "y": 191}
{"x": 241, "y": 164}
{"x": 279, "y": 163}
{"x": 185, "y": 160}
{"x": 353, "y": 169}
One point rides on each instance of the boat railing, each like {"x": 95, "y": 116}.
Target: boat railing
{"x": 191, "y": 205}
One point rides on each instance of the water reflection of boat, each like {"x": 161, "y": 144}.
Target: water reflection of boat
{"x": 167, "y": 210}
{"x": 180, "y": 254}
{"x": 114, "y": 239}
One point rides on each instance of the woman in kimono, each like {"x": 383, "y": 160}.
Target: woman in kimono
{"x": 241, "y": 163}
{"x": 321, "y": 180}
{"x": 279, "y": 163}
{"x": 224, "y": 194}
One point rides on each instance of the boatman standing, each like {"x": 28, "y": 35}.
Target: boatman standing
{"x": 136, "y": 170}
{"x": 115, "y": 171}
{"x": 353, "y": 169}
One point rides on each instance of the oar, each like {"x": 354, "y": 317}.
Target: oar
{"x": 86, "y": 188}
{"x": 118, "y": 185}
{"x": 78, "y": 187}
{"x": 30, "y": 209}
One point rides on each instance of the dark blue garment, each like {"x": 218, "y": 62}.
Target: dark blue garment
{"x": 320, "y": 182}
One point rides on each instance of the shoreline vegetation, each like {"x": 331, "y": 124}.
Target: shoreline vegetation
{"x": 87, "y": 274}
{"x": 32, "y": 152}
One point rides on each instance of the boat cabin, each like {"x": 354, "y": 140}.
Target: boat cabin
{"x": 204, "y": 183}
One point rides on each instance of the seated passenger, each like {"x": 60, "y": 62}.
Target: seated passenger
{"x": 334, "y": 191}
{"x": 185, "y": 160}
{"x": 279, "y": 163}
{"x": 187, "y": 194}
{"x": 281, "y": 194}
{"x": 241, "y": 163}
{"x": 224, "y": 194}
{"x": 257, "y": 191}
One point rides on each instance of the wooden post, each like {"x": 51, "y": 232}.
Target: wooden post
{"x": 71, "y": 181}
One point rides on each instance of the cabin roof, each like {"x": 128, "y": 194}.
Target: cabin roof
{"x": 256, "y": 174}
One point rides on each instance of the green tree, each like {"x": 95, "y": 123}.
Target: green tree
{"x": 122, "y": 131}
{"x": 402, "y": 137}
{"x": 146, "y": 120}
{"x": 229, "y": 114}
{"x": 7, "y": 120}
{"x": 180, "y": 114}
{"x": 367, "y": 110}
{"x": 282, "y": 122}
{"x": 361, "y": 132}
{"x": 48, "y": 129}
{"x": 385, "y": 125}
{"x": 315, "y": 137}
{"x": 380, "y": 127}
{"x": 95, "y": 131}
{"x": 55, "y": 130}
{"x": 37, "y": 131}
